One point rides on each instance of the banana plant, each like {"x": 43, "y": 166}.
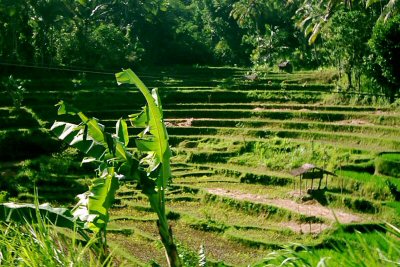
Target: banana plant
{"x": 153, "y": 144}
{"x": 147, "y": 162}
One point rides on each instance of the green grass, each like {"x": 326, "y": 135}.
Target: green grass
{"x": 217, "y": 247}
{"x": 271, "y": 238}
{"x": 267, "y": 105}
{"x": 377, "y": 180}
{"x": 388, "y": 164}
{"x": 240, "y": 136}
{"x": 349, "y": 139}
{"x": 42, "y": 245}
{"x": 269, "y": 155}
{"x": 359, "y": 249}
{"x": 391, "y": 156}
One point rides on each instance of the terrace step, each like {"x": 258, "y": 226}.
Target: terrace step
{"x": 352, "y": 126}
{"x": 263, "y": 105}
{"x": 43, "y": 197}
{"x": 207, "y": 180}
{"x": 176, "y": 140}
{"x": 82, "y": 99}
{"x": 22, "y": 143}
{"x": 249, "y": 174}
{"x": 348, "y": 138}
{"x": 192, "y": 174}
{"x": 391, "y": 119}
{"x": 315, "y": 210}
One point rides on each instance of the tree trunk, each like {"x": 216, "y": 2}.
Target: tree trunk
{"x": 392, "y": 93}
{"x": 349, "y": 79}
{"x": 15, "y": 40}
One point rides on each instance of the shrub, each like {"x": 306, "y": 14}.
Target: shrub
{"x": 15, "y": 89}
{"x": 388, "y": 164}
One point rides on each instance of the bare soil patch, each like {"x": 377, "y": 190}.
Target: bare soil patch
{"x": 311, "y": 208}
{"x": 271, "y": 109}
{"x": 180, "y": 123}
{"x": 354, "y": 122}
{"x": 305, "y": 228}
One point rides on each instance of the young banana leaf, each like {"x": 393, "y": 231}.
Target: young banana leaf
{"x": 154, "y": 138}
{"x": 90, "y": 137}
{"x": 153, "y": 143}
{"x": 29, "y": 213}
{"x": 93, "y": 205}
{"x": 108, "y": 150}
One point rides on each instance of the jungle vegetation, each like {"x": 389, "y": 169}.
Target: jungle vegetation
{"x": 358, "y": 38}
{"x": 248, "y": 91}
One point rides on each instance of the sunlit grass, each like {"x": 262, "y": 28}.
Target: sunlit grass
{"x": 43, "y": 245}
{"x": 367, "y": 177}
{"x": 359, "y": 249}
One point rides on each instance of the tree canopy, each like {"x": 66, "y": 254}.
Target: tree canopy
{"x": 120, "y": 33}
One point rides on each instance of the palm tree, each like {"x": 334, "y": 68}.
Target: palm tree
{"x": 247, "y": 11}
{"x": 314, "y": 14}
{"x": 389, "y": 10}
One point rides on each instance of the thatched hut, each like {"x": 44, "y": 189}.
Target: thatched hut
{"x": 310, "y": 172}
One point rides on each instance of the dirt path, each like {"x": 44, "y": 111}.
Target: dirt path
{"x": 308, "y": 209}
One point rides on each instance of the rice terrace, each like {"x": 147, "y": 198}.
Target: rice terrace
{"x": 133, "y": 135}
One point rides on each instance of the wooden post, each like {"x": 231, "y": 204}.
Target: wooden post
{"x": 300, "y": 183}
{"x": 312, "y": 181}
{"x": 325, "y": 163}
{"x": 306, "y": 186}
{"x": 326, "y": 181}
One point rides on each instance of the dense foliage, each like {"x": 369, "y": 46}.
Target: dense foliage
{"x": 110, "y": 34}
{"x": 385, "y": 44}
{"x": 81, "y": 33}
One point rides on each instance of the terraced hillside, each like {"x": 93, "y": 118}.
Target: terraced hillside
{"x": 235, "y": 142}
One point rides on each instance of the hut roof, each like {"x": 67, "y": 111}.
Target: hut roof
{"x": 308, "y": 167}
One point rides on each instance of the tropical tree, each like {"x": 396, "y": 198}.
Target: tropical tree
{"x": 44, "y": 16}
{"x": 268, "y": 27}
{"x": 248, "y": 13}
{"x": 313, "y": 15}
{"x": 14, "y": 31}
{"x": 346, "y": 40}
{"x": 385, "y": 46}
{"x": 219, "y": 31}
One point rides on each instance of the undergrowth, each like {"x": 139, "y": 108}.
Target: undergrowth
{"x": 42, "y": 245}
{"x": 359, "y": 249}
{"x": 280, "y": 154}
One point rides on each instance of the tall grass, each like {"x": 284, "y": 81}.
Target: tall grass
{"x": 282, "y": 154}
{"x": 369, "y": 185}
{"x": 360, "y": 249}
{"x": 364, "y": 177}
{"x": 39, "y": 244}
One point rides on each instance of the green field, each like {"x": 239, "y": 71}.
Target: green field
{"x": 234, "y": 143}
